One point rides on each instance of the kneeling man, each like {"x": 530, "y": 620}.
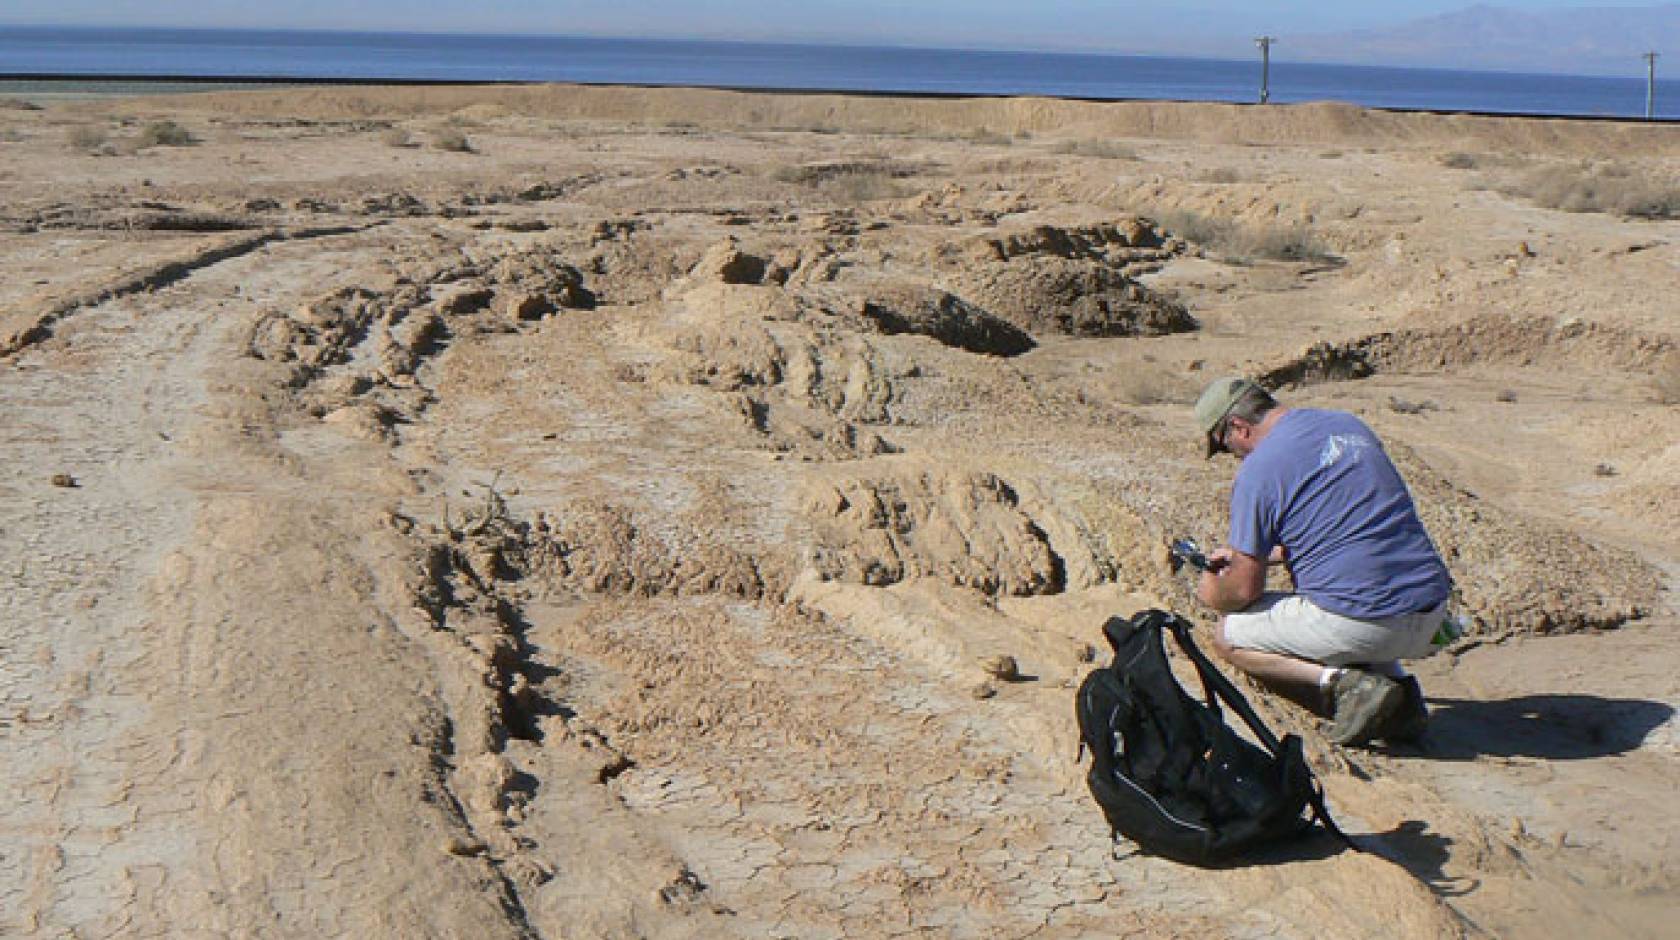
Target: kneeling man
{"x": 1316, "y": 491}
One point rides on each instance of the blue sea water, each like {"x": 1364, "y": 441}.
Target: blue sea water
{"x": 276, "y": 54}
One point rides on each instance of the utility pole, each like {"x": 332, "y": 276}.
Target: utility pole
{"x": 1265, "y": 44}
{"x": 1650, "y": 85}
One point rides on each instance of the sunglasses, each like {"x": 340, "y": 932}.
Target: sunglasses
{"x": 1216, "y": 437}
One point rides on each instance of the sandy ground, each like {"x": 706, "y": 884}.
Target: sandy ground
{"x": 600, "y": 531}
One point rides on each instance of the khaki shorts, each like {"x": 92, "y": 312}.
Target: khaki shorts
{"x": 1294, "y": 626}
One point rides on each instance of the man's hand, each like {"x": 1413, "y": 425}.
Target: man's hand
{"x": 1220, "y": 558}
{"x": 1232, "y": 581}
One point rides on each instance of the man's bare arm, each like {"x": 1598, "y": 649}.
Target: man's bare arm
{"x": 1233, "y": 581}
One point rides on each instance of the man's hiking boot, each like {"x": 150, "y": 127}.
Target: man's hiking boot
{"x": 1360, "y": 704}
{"x": 1411, "y": 719}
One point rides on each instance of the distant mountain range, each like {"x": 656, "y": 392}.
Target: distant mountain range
{"x": 1595, "y": 41}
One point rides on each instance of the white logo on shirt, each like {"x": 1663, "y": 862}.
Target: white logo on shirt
{"x": 1340, "y": 445}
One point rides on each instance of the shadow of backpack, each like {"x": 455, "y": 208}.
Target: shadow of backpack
{"x": 1169, "y": 774}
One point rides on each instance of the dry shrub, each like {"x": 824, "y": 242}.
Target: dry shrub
{"x": 986, "y": 135}
{"x": 451, "y": 140}
{"x": 847, "y": 181}
{"x": 397, "y": 137}
{"x": 1151, "y": 385}
{"x": 87, "y": 137}
{"x": 18, "y": 104}
{"x": 1458, "y": 160}
{"x": 1239, "y": 243}
{"x": 861, "y": 187}
{"x": 1612, "y": 189}
{"x": 10, "y": 135}
{"x": 1222, "y": 175}
{"x": 1105, "y": 149}
{"x": 164, "y": 134}
{"x": 1278, "y": 243}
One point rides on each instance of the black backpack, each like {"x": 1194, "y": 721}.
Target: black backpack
{"x": 1168, "y": 773}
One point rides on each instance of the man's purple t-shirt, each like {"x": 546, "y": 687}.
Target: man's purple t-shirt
{"x": 1321, "y": 485}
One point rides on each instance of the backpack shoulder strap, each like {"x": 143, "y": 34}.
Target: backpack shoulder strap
{"x": 1215, "y": 683}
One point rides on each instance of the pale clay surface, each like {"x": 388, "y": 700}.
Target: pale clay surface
{"x": 615, "y": 531}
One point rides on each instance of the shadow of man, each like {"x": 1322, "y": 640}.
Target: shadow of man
{"x": 1546, "y": 726}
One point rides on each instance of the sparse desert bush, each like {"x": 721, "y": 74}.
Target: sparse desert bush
{"x": 10, "y": 135}
{"x": 1106, "y": 149}
{"x": 1330, "y": 155}
{"x": 451, "y": 140}
{"x": 861, "y": 187}
{"x": 1613, "y": 189}
{"x": 1221, "y": 175}
{"x": 18, "y": 104}
{"x": 86, "y": 137}
{"x": 1204, "y": 230}
{"x": 397, "y": 137}
{"x": 164, "y": 134}
{"x": 1236, "y": 242}
{"x": 848, "y": 181}
{"x": 1458, "y": 160}
{"x": 1278, "y": 243}
{"x": 1150, "y": 385}
{"x": 986, "y": 135}
{"x": 1402, "y": 406}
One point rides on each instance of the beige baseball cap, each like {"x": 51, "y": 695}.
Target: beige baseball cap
{"x": 1216, "y": 402}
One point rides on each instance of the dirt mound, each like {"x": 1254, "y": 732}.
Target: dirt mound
{"x": 1490, "y": 338}
{"x": 1074, "y": 298}
{"x": 1074, "y": 280}
{"x": 928, "y": 311}
{"x": 964, "y": 528}
{"x": 533, "y": 284}
{"x": 1518, "y": 575}
{"x": 316, "y": 334}
{"x": 601, "y": 549}
{"x": 1128, "y": 241}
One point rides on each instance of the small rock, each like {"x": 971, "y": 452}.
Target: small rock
{"x": 526, "y": 306}
{"x": 64, "y": 480}
{"x": 1517, "y": 830}
{"x": 1604, "y": 470}
{"x": 983, "y": 691}
{"x": 684, "y": 886}
{"x": 1002, "y": 667}
{"x": 462, "y": 847}
{"x": 1086, "y": 653}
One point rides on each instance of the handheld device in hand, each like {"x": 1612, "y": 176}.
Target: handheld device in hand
{"x": 1187, "y": 552}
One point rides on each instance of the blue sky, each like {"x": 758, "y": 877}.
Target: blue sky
{"x": 1052, "y": 24}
